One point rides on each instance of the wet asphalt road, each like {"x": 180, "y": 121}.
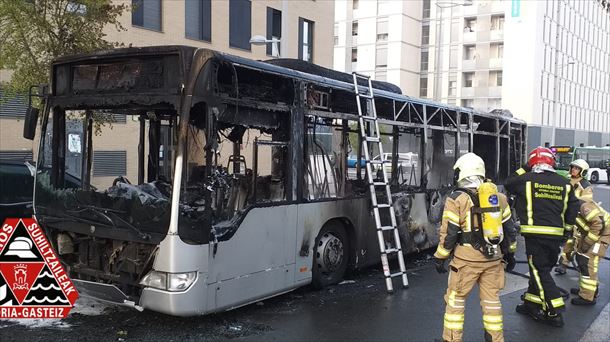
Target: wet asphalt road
{"x": 358, "y": 310}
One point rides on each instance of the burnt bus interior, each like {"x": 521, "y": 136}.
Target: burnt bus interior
{"x": 252, "y": 134}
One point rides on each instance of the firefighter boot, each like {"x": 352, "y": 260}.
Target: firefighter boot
{"x": 525, "y": 309}
{"x": 561, "y": 269}
{"x": 574, "y": 290}
{"x": 581, "y": 301}
{"x": 553, "y": 319}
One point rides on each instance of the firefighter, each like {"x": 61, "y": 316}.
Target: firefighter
{"x": 546, "y": 206}
{"x": 592, "y": 234}
{"x": 582, "y": 188}
{"x": 478, "y": 230}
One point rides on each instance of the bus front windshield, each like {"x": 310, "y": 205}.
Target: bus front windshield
{"x": 107, "y": 172}
{"x": 563, "y": 160}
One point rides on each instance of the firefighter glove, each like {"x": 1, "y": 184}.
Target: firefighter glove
{"x": 440, "y": 265}
{"x": 510, "y": 261}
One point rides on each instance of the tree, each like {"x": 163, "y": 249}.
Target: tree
{"x": 34, "y": 32}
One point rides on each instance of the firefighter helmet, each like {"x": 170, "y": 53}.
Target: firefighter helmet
{"x": 582, "y": 165}
{"x": 541, "y": 155}
{"x": 469, "y": 165}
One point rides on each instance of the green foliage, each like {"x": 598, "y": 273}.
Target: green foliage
{"x": 34, "y": 32}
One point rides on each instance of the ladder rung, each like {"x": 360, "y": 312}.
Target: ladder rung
{"x": 365, "y": 96}
{"x": 371, "y": 139}
{"x": 384, "y": 228}
{"x": 397, "y": 274}
{"x": 361, "y": 75}
{"x": 381, "y": 206}
{"x": 370, "y": 118}
{"x": 391, "y": 250}
{"x": 380, "y": 183}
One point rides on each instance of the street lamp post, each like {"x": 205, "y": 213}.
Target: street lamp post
{"x": 558, "y": 69}
{"x": 261, "y": 40}
{"x": 437, "y": 63}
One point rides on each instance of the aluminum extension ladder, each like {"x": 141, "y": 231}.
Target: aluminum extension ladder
{"x": 383, "y": 201}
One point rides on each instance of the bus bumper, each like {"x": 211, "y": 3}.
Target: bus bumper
{"x": 191, "y": 302}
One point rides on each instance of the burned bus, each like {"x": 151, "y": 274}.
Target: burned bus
{"x": 188, "y": 181}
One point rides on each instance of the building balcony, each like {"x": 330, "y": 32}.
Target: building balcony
{"x": 496, "y": 35}
{"x": 467, "y": 92}
{"x": 495, "y": 91}
{"x": 470, "y": 37}
{"x": 469, "y": 64}
{"x": 495, "y": 63}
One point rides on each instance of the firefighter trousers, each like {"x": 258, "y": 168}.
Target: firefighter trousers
{"x": 463, "y": 275}
{"x": 567, "y": 253}
{"x": 588, "y": 264}
{"x": 542, "y": 293}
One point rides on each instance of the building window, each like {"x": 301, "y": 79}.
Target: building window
{"x": 382, "y": 30}
{"x": 453, "y": 58}
{"x": 497, "y": 50}
{"x": 306, "y": 31}
{"x": 470, "y": 52}
{"x": 146, "y": 13}
{"x": 468, "y": 79}
{"x": 198, "y": 19}
{"x": 425, "y": 35}
{"x": 470, "y": 24}
{"x": 423, "y": 87}
{"x": 426, "y": 12}
{"x": 109, "y": 163}
{"x": 355, "y": 4}
{"x": 274, "y": 30}
{"x": 468, "y": 103}
{"x": 13, "y": 107}
{"x": 381, "y": 56}
{"x": 452, "y": 85}
{"x": 355, "y": 28}
{"x": 495, "y": 78}
{"x": 497, "y": 22}
{"x": 336, "y": 35}
{"x": 494, "y": 104}
{"x": 354, "y": 55}
{"x": 240, "y": 24}
{"x": 424, "y": 61}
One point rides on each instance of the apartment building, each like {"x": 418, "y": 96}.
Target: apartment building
{"x": 303, "y": 27}
{"x": 546, "y": 61}
{"x": 381, "y": 39}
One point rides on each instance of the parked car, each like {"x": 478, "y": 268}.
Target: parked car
{"x": 16, "y": 188}
{"x": 405, "y": 160}
{"x": 353, "y": 160}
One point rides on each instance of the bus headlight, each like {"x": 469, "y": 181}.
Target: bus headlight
{"x": 175, "y": 282}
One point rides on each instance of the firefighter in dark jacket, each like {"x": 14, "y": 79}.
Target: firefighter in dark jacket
{"x": 478, "y": 230}
{"x": 547, "y": 209}
{"x": 583, "y": 190}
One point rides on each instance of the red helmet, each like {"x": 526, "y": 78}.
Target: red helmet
{"x": 541, "y": 155}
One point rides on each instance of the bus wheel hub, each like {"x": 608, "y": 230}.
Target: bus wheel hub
{"x": 329, "y": 253}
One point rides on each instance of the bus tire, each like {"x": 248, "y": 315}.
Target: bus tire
{"x": 331, "y": 254}
{"x": 594, "y": 177}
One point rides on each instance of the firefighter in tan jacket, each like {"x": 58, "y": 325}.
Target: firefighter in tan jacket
{"x": 592, "y": 235}
{"x": 582, "y": 189}
{"x": 478, "y": 231}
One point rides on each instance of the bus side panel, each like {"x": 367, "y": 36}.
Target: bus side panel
{"x": 254, "y": 263}
{"x": 311, "y": 219}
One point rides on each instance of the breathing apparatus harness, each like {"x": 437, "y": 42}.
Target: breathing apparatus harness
{"x": 487, "y": 235}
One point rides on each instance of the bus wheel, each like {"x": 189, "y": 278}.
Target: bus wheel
{"x": 330, "y": 255}
{"x": 594, "y": 177}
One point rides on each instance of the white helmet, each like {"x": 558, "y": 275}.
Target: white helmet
{"x": 582, "y": 165}
{"x": 469, "y": 165}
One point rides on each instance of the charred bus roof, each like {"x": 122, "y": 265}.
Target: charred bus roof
{"x": 154, "y": 77}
